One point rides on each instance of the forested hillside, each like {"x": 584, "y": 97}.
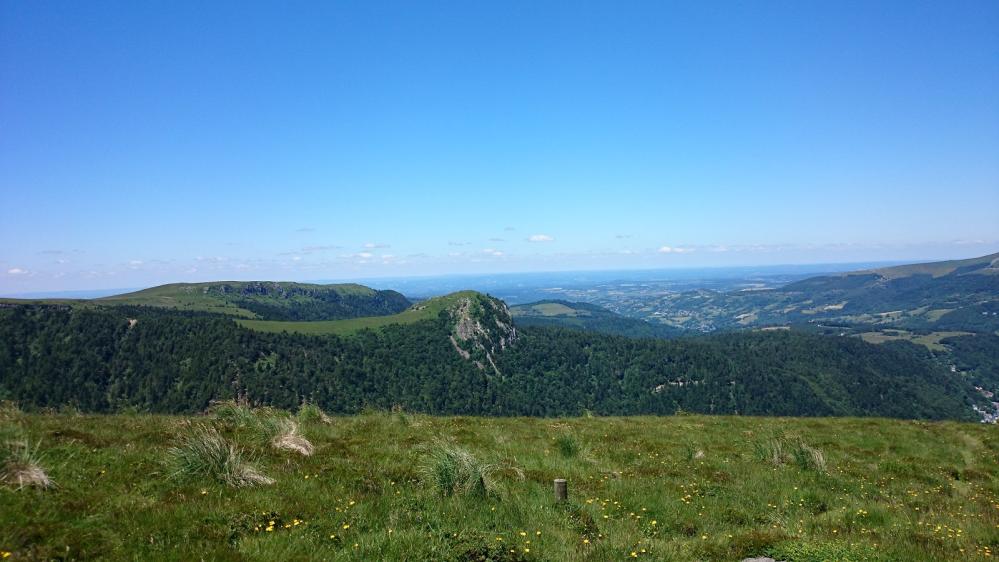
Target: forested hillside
{"x": 109, "y": 359}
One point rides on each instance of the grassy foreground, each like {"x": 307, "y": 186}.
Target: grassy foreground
{"x": 378, "y": 487}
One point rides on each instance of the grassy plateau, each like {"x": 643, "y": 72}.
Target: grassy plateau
{"x": 241, "y": 484}
{"x": 424, "y": 310}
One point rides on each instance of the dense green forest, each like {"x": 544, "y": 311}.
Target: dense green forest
{"x": 148, "y": 359}
{"x": 977, "y": 355}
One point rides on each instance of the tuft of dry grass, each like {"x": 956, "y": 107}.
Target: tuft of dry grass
{"x": 204, "y": 452}
{"x": 20, "y": 462}
{"x": 29, "y": 475}
{"x": 288, "y": 439}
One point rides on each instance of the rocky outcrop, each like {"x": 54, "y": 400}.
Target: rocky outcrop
{"x": 482, "y": 328}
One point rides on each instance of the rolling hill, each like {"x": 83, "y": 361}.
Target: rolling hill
{"x": 950, "y": 295}
{"x": 263, "y": 300}
{"x": 589, "y": 317}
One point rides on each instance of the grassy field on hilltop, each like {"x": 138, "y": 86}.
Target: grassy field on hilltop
{"x": 395, "y": 486}
{"x": 425, "y": 310}
{"x": 338, "y": 327}
{"x": 931, "y": 340}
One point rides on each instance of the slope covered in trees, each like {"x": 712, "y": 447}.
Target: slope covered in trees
{"x": 108, "y": 359}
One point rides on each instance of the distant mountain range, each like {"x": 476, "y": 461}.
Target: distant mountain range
{"x": 951, "y": 295}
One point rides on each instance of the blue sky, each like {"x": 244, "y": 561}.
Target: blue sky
{"x": 143, "y": 143}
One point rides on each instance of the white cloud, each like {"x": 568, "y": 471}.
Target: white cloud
{"x": 540, "y": 238}
{"x": 674, "y": 250}
{"x": 492, "y": 252}
{"x": 17, "y": 271}
{"x": 308, "y": 249}
{"x": 372, "y": 245}
{"x": 135, "y": 263}
{"x": 365, "y": 255}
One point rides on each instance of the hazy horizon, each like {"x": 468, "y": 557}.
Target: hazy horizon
{"x": 446, "y": 282}
{"x": 147, "y": 144}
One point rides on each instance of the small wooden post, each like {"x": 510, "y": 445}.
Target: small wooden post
{"x": 561, "y": 490}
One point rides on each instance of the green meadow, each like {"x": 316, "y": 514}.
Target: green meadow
{"x": 398, "y": 486}
{"x": 424, "y": 310}
{"x": 931, "y": 340}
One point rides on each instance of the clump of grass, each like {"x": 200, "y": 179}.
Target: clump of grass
{"x": 20, "y": 461}
{"x": 808, "y": 457}
{"x": 310, "y": 413}
{"x": 692, "y": 452}
{"x": 204, "y": 453}
{"x": 400, "y": 416}
{"x": 232, "y": 413}
{"x": 264, "y": 427}
{"x": 288, "y": 438}
{"x": 9, "y": 410}
{"x": 568, "y": 445}
{"x": 453, "y": 471}
{"x": 771, "y": 451}
{"x": 782, "y": 450}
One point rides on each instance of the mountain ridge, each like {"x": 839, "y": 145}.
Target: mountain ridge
{"x": 262, "y": 300}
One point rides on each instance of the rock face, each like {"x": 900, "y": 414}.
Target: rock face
{"x": 482, "y": 328}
